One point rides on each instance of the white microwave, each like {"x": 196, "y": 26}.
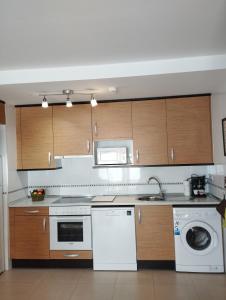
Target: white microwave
{"x": 111, "y": 156}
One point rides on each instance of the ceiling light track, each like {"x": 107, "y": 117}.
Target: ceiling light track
{"x": 68, "y": 93}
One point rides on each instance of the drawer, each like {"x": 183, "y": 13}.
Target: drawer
{"x": 31, "y": 211}
{"x": 76, "y": 254}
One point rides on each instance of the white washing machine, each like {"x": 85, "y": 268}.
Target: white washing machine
{"x": 198, "y": 240}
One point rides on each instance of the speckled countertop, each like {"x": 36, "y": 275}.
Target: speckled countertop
{"x": 171, "y": 199}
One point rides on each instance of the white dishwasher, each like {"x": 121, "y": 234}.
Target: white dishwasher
{"x": 114, "y": 241}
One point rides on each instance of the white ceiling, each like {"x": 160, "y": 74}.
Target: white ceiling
{"x": 128, "y": 87}
{"x": 51, "y": 33}
{"x": 87, "y": 34}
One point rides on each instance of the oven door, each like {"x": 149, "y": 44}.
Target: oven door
{"x": 70, "y": 233}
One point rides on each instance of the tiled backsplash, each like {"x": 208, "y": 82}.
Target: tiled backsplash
{"x": 78, "y": 177}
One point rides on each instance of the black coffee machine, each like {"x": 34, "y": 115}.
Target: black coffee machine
{"x": 198, "y": 186}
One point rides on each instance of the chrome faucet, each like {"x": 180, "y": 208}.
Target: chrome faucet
{"x": 159, "y": 184}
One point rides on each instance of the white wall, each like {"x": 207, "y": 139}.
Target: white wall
{"x": 17, "y": 181}
{"x": 218, "y": 108}
{"x": 218, "y": 171}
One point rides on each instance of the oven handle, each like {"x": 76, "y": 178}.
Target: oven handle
{"x": 71, "y": 255}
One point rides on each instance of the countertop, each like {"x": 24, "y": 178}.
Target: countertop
{"x": 171, "y": 199}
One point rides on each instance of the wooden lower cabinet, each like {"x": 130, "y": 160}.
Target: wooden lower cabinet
{"x": 29, "y": 236}
{"x": 76, "y": 254}
{"x": 154, "y": 232}
{"x": 29, "y": 233}
{"x": 2, "y": 112}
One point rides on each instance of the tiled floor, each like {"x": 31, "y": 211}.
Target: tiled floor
{"x": 84, "y": 284}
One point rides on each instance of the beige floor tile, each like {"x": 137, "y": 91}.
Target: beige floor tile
{"x": 23, "y": 275}
{"x": 134, "y": 292}
{"x": 98, "y": 277}
{"x": 209, "y": 279}
{"x": 171, "y": 277}
{"x": 64, "y": 274}
{"x": 174, "y": 292}
{"x": 54, "y": 290}
{"x": 144, "y": 276}
{"x": 93, "y": 291}
{"x": 86, "y": 284}
{"x": 210, "y": 287}
{"x": 18, "y": 291}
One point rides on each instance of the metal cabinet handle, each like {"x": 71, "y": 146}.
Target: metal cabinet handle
{"x": 137, "y": 155}
{"x": 95, "y": 129}
{"x": 49, "y": 159}
{"x": 31, "y": 211}
{"x": 71, "y": 255}
{"x": 172, "y": 154}
{"x": 88, "y": 146}
{"x": 139, "y": 216}
{"x": 44, "y": 224}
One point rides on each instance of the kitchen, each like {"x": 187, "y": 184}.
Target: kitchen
{"x": 124, "y": 161}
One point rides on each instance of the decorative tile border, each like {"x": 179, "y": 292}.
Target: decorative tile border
{"x": 15, "y": 191}
{"x": 99, "y": 185}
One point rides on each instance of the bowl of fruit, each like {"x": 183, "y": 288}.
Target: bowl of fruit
{"x": 38, "y": 195}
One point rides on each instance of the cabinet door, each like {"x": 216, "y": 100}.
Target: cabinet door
{"x": 112, "y": 121}
{"x": 72, "y": 130}
{"x": 37, "y": 138}
{"x": 31, "y": 237}
{"x": 2, "y": 113}
{"x": 18, "y": 139}
{"x": 149, "y": 132}
{"x": 154, "y": 232}
{"x": 189, "y": 130}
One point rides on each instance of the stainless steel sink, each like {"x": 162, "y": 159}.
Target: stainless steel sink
{"x": 152, "y": 197}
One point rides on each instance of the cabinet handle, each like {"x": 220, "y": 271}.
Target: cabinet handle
{"x": 139, "y": 216}
{"x": 172, "y": 154}
{"x": 71, "y": 255}
{"x": 137, "y": 155}
{"x": 49, "y": 159}
{"x": 88, "y": 145}
{"x": 44, "y": 224}
{"x": 95, "y": 129}
{"x": 31, "y": 211}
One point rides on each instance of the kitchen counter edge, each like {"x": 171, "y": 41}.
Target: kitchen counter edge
{"x": 119, "y": 200}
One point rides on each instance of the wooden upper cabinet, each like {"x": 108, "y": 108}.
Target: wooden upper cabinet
{"x": 149, "y": 132}
{"x": 2, "y": 113}
{"x": 36, "y": 138}
{"x": 189, "y": 130}
{"x": 29, "y": 234}
{"x": 112, "y": 121}
{"x": 18, "y": 139}
{"x": 72, "y": 130}
{"x": 154, "y": 232}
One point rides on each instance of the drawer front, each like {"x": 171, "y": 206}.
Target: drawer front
{"x": 83, "y": 254}
{"x": 31, "y": 211}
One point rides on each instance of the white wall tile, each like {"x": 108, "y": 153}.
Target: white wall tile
{"x": 102, "y": 181}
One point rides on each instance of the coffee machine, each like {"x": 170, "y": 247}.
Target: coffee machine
{"x": 198, "y": 186}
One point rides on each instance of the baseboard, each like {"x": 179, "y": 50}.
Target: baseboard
{"x": 52, "y": 263}
{"x": 156, "y": 264}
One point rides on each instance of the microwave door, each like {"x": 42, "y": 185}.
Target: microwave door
{"x": 108, "y": 157}
{"x": 111, "y": 156}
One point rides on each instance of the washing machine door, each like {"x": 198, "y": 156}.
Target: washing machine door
{"x": 199, "y": 238}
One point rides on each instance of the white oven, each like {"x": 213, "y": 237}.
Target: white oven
{"x": 70, "y": 228}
